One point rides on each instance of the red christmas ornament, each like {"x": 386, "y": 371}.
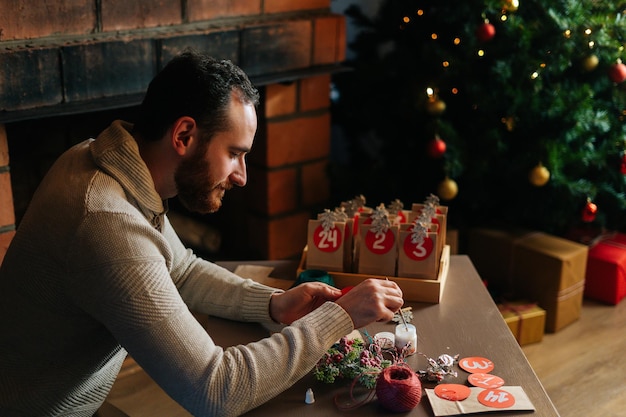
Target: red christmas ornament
{"x": 617, "y": 72}
{"x": 589, "y": 212}
{"x": 436, "y": 148}
{"x": 485, "y": 32}
{"x": 623, "y": 168}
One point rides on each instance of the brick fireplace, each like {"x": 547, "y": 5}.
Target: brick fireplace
{"x": 67, "y": 67}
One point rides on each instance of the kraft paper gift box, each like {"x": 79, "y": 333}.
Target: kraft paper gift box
{"x": 491, "y": 252}
{"x": 526, "y": 321}
{"x": 535, "y": 266}
{"x": 551, "y": 270}
{"x": 605, "y": 278}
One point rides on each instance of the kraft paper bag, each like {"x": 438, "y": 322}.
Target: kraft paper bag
{"x": 418, "y": 257}
{"x": 440, "y": 218}
{"x": 329, "y": 245}
{"x": 377, "y": 250}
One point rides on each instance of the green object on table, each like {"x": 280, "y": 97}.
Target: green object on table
{"x": 314, "y": 275}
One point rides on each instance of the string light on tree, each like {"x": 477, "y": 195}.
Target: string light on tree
{"x": 434, "y": 106}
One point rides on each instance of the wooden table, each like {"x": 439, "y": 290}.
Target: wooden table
{"x": 465, "y": 322}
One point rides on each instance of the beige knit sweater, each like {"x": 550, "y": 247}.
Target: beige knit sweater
{"x": 95, "y": 270}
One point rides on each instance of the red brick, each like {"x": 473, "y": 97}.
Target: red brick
{"x": 211, "y": 9}
{"x": 280, "y": 99}
{"x": 7, "y": 213}
{"x": 329, "y": 40}
{"x": 273, "y": 192}
{"x": 5, "y": 241}
{"x": 298, "y": 140}
{"x": 287, "y": 236}
{"x": 315, "y": 93}
{"x": 4, "y": 146}
{"x": 278, "y": 6}
{"x": 124, "y": 14}
{"x": 28, "y": 19}
{"x": 315, "y": 184}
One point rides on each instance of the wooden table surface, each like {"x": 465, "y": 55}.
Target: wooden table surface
{"x": 465, "y": 322}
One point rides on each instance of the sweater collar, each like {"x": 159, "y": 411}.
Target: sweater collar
{"x": 116, "y": 152}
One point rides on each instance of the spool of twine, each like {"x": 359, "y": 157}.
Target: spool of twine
{"x": 398, "y": 389}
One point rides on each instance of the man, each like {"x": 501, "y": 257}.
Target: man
{"x": 95, "y": 269}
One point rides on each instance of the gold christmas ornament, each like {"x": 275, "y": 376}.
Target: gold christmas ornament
{"x": 435, "y": 106}
{"x": 589, "y": 63}
{"x": 447, "y": 189}
{"x": 510, "y": 5}
{"x": 539, "y": 175}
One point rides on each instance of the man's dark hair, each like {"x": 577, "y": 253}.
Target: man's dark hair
{"x": 196, "y": 85}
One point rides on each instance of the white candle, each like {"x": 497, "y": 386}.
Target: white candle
{"x": 387, "y": 339}
{"x": 406, "y": 333}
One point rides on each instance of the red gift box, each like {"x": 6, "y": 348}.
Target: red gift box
{"x": 606, "y": 270}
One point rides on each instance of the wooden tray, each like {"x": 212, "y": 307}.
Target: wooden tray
{"x": 414, "y": 289}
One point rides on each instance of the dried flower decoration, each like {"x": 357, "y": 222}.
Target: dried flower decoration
{"x": 380, "y": 219}
{"x": 395, "y": 206}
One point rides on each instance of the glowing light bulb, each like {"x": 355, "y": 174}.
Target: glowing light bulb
{"x": 456, "y": 41}
{"x": 534, "y": 75}
{"x": 481, "y": 52}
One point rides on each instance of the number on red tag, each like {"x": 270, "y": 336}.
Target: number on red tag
{"x": 380, "y": 242}
{"x": 418, "y": 251}
{"x": 327, "y": 240}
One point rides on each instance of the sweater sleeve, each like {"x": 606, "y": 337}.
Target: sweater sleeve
{"x": 128, "y": 287}
{"x": 211, "y": 289}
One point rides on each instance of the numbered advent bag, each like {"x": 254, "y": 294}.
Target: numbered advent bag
{"x": 418, "y": 259}
{"x": 377, "y": 250}
{"x": 329, "y": 248}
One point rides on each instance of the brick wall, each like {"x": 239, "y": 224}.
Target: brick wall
{"x": 65, "y": 56}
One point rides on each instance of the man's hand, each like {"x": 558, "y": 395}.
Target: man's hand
{"x": 299, "y": 301}
{"x": 371, "y": 300}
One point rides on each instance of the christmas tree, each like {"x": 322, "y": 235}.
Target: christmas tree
{"x": 513, "y": 113}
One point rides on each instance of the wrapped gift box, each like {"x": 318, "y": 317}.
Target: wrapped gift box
{"x": 535, "y": 266}
{"x": 605, "y": 279}
{"x": 526, "y": 321}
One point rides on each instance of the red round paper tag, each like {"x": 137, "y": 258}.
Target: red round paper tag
{"x": 496, "y": 398}
{"x": 418, "y": 251}
{"x": 380, "y": 242}
{"x": 476, "y": 364}
{"x": 482, "y": 380}
{"x": 452, "y": 392}
{"x": 327, "y": 240}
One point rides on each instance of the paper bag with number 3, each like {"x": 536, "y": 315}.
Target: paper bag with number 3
{"x": 417, "y": 251}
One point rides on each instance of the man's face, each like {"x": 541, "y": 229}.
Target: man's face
{"x": 205, "y": 175}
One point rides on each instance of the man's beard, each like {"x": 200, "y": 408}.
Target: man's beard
{"x": 197, "y": 190}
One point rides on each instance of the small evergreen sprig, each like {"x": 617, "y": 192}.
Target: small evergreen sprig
{"x": 351, "y": 359}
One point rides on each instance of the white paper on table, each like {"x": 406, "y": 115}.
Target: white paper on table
{"x": 442, "y": 407}
{"x": 260, "y": 274}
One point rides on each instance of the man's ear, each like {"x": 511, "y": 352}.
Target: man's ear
{"x": 184, "y": 134}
